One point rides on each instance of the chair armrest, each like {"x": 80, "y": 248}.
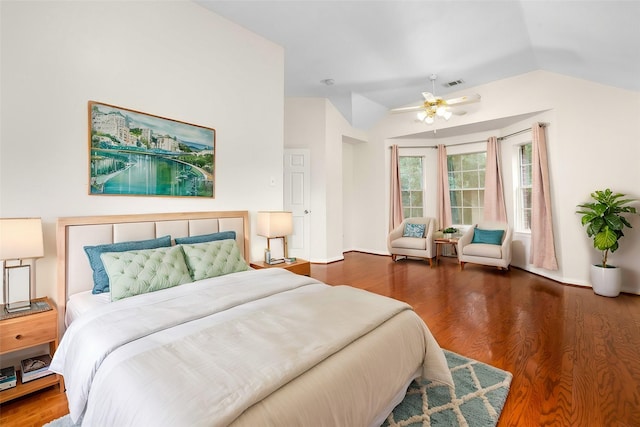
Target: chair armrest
{"x": 506, "y": 244}
{"x": 466, "y": 238}
{"x": 394, "y": 234}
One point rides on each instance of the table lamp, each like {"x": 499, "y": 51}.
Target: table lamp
{"x": 275, "y": 226}
{"x": 20, "y": 239}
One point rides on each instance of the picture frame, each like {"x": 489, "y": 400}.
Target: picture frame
{"x": 132, "y": 153}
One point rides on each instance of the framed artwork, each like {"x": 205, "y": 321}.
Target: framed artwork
{"x": 138, "y": 154}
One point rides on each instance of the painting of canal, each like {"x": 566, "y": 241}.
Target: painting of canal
{"x": 133, "y": 153}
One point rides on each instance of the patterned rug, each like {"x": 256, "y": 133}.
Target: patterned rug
{"x": 477, "y": 401}
{"x": 479, "y": 397}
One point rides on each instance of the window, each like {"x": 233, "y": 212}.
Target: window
{"x": 411, "y": 185}
{"x": 523, "y": 190}
{"x": 466, "y": 187}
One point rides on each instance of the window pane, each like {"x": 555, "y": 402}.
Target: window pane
{"x": 406, "y": 212}
{"x": 470, "y": 179}
{"x": 525, "y": 177}
{"x": 416, "y": 198}
{"x": 417, "y": 212}
{"x": 405, "y": 198}
{"x": 467, "y": 216}
{"x": 470, "y": 162}
{"x": 456, "y": 199}
{"x": 456, "y": 215}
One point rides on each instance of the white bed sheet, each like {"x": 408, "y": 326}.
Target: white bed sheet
{"x": 84, "y": 302}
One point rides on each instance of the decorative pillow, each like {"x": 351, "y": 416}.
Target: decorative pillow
{"x": 201, "y": 238}
{"x": 147, "y": 270}
{"x": 213, "y": 259}
{"x": 100, "y": 278}
{"x": 414, "y": 230}
{"x": 491, "y": 237}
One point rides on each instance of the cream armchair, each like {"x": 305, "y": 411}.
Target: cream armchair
{"x": 414, "y": 247}
{"x": 486, "y": 252}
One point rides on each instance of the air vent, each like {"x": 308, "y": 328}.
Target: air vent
{"x": 454, "y": 83}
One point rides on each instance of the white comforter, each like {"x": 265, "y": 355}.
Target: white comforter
{"x": 244, "y": 335}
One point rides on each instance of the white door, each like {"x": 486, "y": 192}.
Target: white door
{"x": 297, "y": 188}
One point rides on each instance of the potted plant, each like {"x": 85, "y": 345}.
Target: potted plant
{"x": 604, "y": 220}
{"x": 449, "y": 232}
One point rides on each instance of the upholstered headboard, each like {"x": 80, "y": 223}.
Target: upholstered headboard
{"x": 74, "y": 233}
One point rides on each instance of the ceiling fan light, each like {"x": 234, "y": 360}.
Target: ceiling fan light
{"x": 447, "y": 115}
{"x": 422, "y": 115}
{"x": 429, "y": 120}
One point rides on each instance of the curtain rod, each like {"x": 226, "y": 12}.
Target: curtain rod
{"x": 472, "y": 142}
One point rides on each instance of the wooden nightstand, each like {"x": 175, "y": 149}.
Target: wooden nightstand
{"x": 299, "y": 266}
{"x": 27, "y": 331}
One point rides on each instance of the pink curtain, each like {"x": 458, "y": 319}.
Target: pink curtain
{"x": 444, "y": 198}
{"x": 395, "y": 215}
{"x": 494, "y": 206}
{"x": 543, "y": 253}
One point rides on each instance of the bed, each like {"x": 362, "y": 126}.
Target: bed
{"x": 222, "y": 345}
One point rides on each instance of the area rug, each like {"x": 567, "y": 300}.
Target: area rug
{"x": 479, "y": 397}
{"x": 477, "y": 400}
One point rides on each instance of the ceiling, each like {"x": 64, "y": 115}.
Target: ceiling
{"x": 385, "y": 51}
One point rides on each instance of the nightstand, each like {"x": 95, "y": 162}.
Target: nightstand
{"x": 299, "y": 266}
{"x": 23, "y": 332}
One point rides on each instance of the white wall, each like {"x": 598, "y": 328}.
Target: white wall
{"x": 172, "y": 59}
{"x": 316, "y": 124}
{"x": 592, "y": 144}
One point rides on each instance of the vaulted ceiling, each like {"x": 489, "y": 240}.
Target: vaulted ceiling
{"x": 385, "y": 51}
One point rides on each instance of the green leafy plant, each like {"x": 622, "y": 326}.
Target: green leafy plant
{"x": 450, "y": 230}
{"x": 604, "y": 220}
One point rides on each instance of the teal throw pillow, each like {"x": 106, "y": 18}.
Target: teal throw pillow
{"x": 100, "y": 278}
{"x": 148, "y": 270}
{"x": 201, "y": 238}
{"x": 213, "y": 259}
{"x": 414, "y": 230}
{"x": 490, "y": 237}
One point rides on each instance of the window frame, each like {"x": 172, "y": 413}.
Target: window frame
{"x": 477, "y": 217}
{"x": 423, "y": 183}
{"x": 518, "y": 186}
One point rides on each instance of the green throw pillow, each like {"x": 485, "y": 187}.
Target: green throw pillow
{"x": 138, "y": 272}
{"x": 213, "y": 259}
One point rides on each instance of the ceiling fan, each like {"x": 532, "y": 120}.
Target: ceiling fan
{"x": 435, "y": 106}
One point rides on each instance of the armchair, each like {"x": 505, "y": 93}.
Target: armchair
{"x": 488, "y": 247}
{"x": 415, "y": 247}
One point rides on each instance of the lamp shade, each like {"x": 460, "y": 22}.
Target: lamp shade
{"x": 274, "y": 224}
{"x": 21, "y": 238}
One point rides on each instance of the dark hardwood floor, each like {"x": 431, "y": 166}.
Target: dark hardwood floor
{"x": 575, "y": 356}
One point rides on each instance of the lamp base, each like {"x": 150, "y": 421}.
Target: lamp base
{"x": 17, "y": 306}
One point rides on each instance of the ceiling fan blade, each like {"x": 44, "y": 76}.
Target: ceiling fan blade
{"x": 428, "y": 96}
{"x": 467, "y": 99}
{"x": 407, "y": 109}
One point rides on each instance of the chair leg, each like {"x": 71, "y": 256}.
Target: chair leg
{"x": 431, "y": 262}
{"x": 461, "y": 265}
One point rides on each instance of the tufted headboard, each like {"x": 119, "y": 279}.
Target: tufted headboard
{"x": 73, "y": 233}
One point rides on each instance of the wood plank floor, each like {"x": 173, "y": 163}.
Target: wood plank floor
{"x": 575, "y": 356}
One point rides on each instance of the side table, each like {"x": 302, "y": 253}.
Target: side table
{"x": 299, "y": 266}
{"x": 23, "y": 332}
{"x": 441, "y": 242}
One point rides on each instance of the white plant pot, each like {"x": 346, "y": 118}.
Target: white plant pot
{"x": 606, "y": 281}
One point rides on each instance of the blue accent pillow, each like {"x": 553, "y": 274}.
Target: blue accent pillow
{"x": 203, "y": 238}
{"x": 490, "y": 237}
{"x": 414, "y": 230}
{"x": 100, "y": 277}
